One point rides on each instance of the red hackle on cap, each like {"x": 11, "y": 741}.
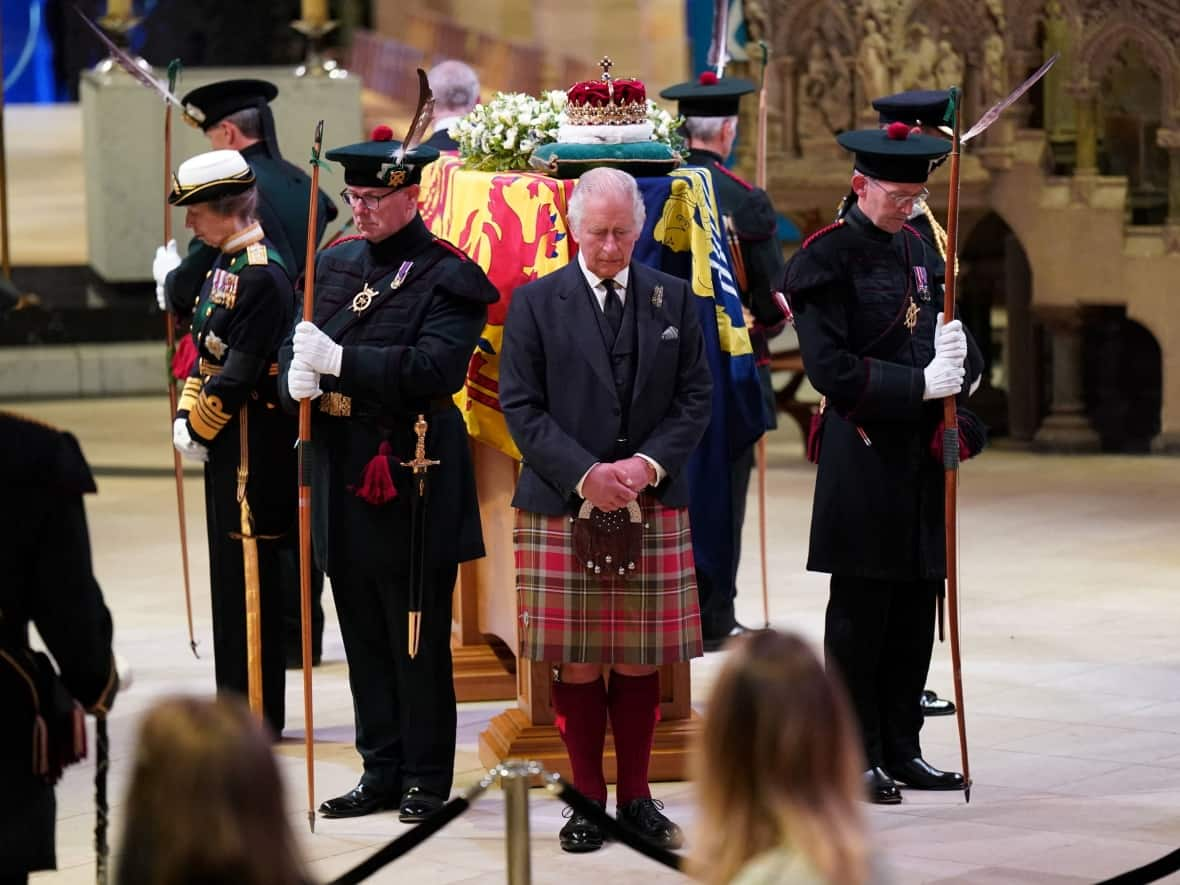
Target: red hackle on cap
{"x": 381, "y": 133}
{"x": 708, "y": 78}
{"x": 898, "y": 131}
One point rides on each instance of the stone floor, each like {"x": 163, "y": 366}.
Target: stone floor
{"x": 1072, "y": 672}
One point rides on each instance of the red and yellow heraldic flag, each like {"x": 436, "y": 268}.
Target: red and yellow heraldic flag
{"x": 513, "y": 224}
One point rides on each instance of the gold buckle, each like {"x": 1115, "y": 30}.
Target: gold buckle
{"x": 336, "y": 404}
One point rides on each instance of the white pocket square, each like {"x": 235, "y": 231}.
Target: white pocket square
{"x": 670, "y": 334}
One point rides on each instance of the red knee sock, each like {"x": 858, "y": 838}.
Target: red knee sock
{"x": 634, "y": 711}
{"x": 581, "y": 720}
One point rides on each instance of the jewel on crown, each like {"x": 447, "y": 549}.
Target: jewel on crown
{"x": 607, "y": 101}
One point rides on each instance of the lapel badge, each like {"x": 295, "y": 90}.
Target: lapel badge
{"x": 215, "y": 345}
{"x": 922, "y": 282}
{"x": 362, "y": 299}
{"x": 657, "y": 296}
{"x": 402, "y": 273}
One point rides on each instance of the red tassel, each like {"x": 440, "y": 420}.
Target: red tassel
{"x": 377, "y": 481}
{"x": 183, "y": 357}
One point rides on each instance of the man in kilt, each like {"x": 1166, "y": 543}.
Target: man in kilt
{"x": 606, "y": 391}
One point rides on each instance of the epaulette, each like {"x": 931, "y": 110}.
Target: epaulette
{"x": 256, "y": 254}
{"x": 339, "y": 240}
{"x": 823, "y": 230}
{"x": 722, "y": 168}
{"x": 912, "y": 230}
{"x": 451, "y": 247}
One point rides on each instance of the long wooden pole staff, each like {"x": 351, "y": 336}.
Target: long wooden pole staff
{"x": 950, "y": 447}
{"x": 305, "y": 470}
{"x": 760, "y": 180}
{"x": 170, "y": 337}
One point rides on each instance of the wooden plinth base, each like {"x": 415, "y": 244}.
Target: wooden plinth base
{"x": 510, "y": 735}
{"x": 481, "y": 674}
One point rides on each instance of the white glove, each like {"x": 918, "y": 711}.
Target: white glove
{"x": 185, "y": 444}
{"x": 123, "y": 669}
{"x": 316, "y": 350}
{"x": 167, "y": 260}
{"x": 943, "y": 378}
{"x": 950, "y": 341}
{"x": 303, "y": 382}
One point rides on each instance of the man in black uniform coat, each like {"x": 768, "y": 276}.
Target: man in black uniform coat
{"x": 237, "y": 116}
{"x": 710, "y": 110}
{"x": 48, "y": 582}
{"x": 398, "y": 314}
{"x": 924, "y": 109}
{"x": 866, "y": 298}
{"x": 229, "y": 417}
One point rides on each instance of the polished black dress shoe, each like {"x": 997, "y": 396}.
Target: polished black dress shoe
{"x": 417, "y": 805}
{"x": 715, "y": 642}
{"x": 644, "y": 817}
{"x": 919, "y": 774}
{"x": 933, "y": 705}
{"x": 360, "y": 800}
{"x": 295, "y": 659}
{"x": 881, "y": 788}
{"x": 579, "y": 834}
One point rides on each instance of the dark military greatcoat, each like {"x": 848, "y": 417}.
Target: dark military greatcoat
{"x": 878, "y": 509}
{"x": 48, "y": 582}
{"x": 423, "y": 306}
{"x": 242, "y": 315}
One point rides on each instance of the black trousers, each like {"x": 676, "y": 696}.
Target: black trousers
{"x": 228, "y": 591}
{"x": 718, "y": 593}
{"x": 292, "y": 615}
{"x": 404, "y": 708}
{"x": 879, "y": 635}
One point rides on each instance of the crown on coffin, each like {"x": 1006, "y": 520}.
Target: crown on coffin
{"x": 606, "y": 101}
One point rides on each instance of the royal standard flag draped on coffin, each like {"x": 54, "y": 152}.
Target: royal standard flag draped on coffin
{"x": 513, "y": 224}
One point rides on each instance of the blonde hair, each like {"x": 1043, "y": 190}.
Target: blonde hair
{"x": 778, "y": 765}
{"x": 206, "y": 802}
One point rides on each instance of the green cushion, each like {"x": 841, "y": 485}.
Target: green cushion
{"x": 641, "y": 158}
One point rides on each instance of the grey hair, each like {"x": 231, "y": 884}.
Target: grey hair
{"x": 248, "y": 120}
{"x": 243, "y": 205}
{"x": 605, "y": 182}
{"x": 455, "y": 86}
{"x": 706, "y": 128}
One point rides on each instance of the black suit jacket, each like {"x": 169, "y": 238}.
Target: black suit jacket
{"x": 442, "y": 141}
{"x": 558, "y": 393}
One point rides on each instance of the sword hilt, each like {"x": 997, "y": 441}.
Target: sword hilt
{"x": 419, "y": 464}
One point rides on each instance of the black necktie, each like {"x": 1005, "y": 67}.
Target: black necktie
{"x": 613, "y": 307}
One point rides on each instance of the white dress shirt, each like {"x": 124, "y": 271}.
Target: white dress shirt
{"x": 599, "y": 289}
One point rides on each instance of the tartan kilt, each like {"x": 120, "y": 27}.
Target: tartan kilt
{"x": 568, "y": 615}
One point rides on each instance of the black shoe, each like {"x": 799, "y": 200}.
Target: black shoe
{"x": 579, "y": 834}
{"x": 360, "y": 800}
{"x": 919, "y": 774}
{"x": 417, "y": 805}
{"x": 881, "y": 788}
{"x": 716, "y": 641}
{"x": 933, "y": 705}
{"x": 644, "y": 817}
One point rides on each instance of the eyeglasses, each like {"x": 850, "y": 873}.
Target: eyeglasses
{"x": 901, "y": 200}
{"x": 370, "y": 202}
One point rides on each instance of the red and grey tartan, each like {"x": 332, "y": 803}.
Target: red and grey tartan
{"x": 568, "y": 614}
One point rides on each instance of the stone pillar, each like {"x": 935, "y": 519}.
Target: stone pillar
{"x": 1169, "y": 140}
{"x": 1086, "y": 121}
{"x": 1066, "y": 429}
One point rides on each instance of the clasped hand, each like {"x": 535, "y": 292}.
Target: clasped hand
{"x": 611, "y": 485}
